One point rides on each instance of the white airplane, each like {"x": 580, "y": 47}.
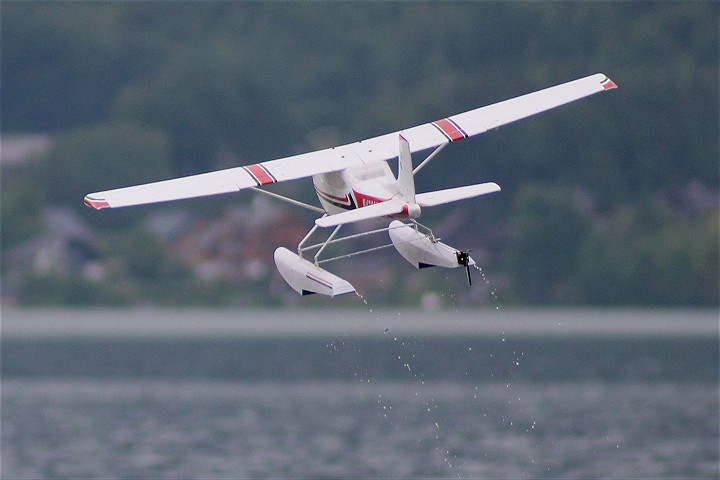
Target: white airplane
{"x": 354, "y": 182}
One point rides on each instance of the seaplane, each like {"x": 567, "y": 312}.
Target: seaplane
{"x": 355, "y": 183}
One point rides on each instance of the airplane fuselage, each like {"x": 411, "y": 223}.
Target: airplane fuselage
{"x": 355, "y": 187}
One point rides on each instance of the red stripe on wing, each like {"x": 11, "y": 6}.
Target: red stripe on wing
{"x": 260, "y": 174}
{"x": 450, "y": 129}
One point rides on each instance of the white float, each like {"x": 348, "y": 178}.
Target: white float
{"x": 423, "y": 250}
{"x": 307, "y": 278}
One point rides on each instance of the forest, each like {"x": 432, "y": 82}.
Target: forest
{"x": 611, "y": 201}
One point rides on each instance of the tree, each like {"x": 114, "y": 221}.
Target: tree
{"x": 547, "y": 231}
{"x": 101, "y": 157}
{"x": 649, "y": 256}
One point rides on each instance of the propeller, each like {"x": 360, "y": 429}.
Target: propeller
{"x": 463, "y": 258}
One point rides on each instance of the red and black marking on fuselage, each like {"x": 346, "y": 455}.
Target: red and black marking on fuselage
{"x": 450, "y": 129}
{"x": 346, "y": 203}
{"x": 260, "y": 174}
{"x": 364, "y": 200}
{"x": 351, "y": 200}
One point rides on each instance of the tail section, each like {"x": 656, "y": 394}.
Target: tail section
{"x": 405, "y": 180}
{"x": 406, "y": 204}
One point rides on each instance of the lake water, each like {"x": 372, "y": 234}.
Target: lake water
{"x": 363, "y": 394}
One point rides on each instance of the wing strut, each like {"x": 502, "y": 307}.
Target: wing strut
{"x": 288, "y": 200}
{"x": 430, "y": 157}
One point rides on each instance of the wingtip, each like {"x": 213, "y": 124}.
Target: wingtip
{"x": 96, "y": 203}
{"x": 608, "y": 84}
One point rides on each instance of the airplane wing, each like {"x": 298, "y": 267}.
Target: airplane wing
{"x": 384, "y": 147}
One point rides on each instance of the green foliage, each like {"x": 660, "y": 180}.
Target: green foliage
{"x": 205, "y": 102}
{"x": 67, "y": 290}
{"x": 100, "y": 157}
{"x": 22, "y": 203}
{"x": 649, "y": 257}
{"x": 144, "y": 257}
{"x": 639, "y": 255}
{"x": 222, "y": 78}
{"x": 62, "y": 62}
{"x": 547, "y": 232}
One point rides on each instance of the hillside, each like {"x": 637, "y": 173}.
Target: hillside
{"x": 611, "y": 201}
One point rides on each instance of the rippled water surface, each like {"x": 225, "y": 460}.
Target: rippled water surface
{"x": 385, "y": 406}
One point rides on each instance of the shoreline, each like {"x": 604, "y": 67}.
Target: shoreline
{"x": 267, "y": 323}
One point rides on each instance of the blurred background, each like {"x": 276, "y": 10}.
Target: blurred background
{"x": 610, "y": 201}
{"x": 179, "y": 371}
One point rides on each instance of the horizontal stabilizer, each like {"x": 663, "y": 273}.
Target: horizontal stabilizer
{"x": 431, "y": 199}
{"x": 391, "y": 207}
